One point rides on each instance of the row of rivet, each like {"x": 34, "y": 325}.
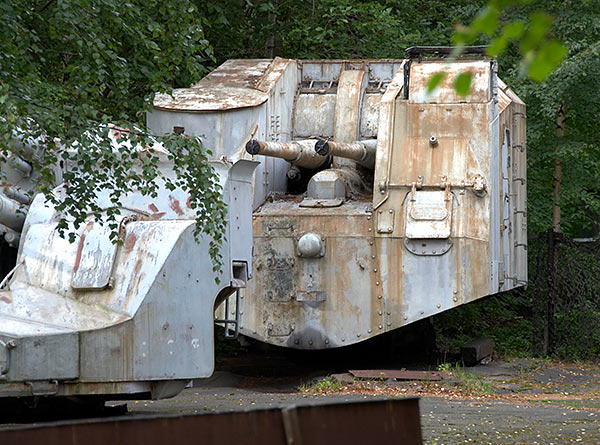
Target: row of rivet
{"x": 377, "y": 283}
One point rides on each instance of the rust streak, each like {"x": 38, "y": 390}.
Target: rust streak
{"x": 79, "y": 250}
{"x": 156, "y": 216}
{"x": 6, "y": 300}
{"x": 130, "y": 242}
{"x": 174, "y": 205}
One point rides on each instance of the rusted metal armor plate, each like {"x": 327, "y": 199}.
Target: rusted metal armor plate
{"x": 235, "y": 84}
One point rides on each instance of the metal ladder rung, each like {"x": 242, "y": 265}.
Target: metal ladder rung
{"x": 236, "y": 321}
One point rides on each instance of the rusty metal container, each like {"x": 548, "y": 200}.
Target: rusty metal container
{"x": 435, "y": 221}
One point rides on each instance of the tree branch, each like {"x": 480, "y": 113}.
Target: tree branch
{"x": 46, "y": 5}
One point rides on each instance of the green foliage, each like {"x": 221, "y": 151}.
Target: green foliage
{"x": 574, "y": 86}
{"x": 375, "y": 31}
{"x": 505, "y": 318}
{"x": 435, "y": 80}
{"x": 540, "y": 54}
{"x": 470, "y": 383}
{"x": 325, "y": 385}
{"x": 462, "y": 83}
{"x": 70, "y": 67}
{"x": 328, "y": 28}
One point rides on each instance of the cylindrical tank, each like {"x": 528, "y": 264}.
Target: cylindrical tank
{"x": 300, "y": 153}
{"x": 363, "y": 152}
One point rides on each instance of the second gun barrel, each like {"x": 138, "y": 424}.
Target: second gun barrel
{"x": 362, "y": 152}
{"x": 300, "y": 153}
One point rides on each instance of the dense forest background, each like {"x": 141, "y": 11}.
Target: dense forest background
{"x": 69, "y": 65}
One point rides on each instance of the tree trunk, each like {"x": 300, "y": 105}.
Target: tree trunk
{"x": 557, "y": 180}
{"x": 553, "y": 240}
{"x": 270, "y": 49}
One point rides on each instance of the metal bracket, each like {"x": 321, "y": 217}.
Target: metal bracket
{"x": 235, "y": 321}
{"x": 385, "y": 221}
{"x": 5, "y": 357}
{"x": 273, "y": 331}
{"x": 43, "y": 388}
{"x": 406, "y": 68}
{"x": 443, "y": 51}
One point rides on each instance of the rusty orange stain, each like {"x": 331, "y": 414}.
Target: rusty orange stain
{"x": 78, "y": 255}
{"x": 156, "y": 216}
{"x": 130, "y": 242}
{"x": 155, "y": 213}
{"x": 6, "y": 300}
{"x": 174, "y": 205}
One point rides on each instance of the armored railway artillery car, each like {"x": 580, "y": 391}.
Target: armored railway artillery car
{"x": 376, "y": 203}
{"x": 94, "y": 320}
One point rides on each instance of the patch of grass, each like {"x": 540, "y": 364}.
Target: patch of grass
{"x": 324, "y": 385}
{"x": 445, "y": 367}
{"x": 539, "y": 364}
{"x": 470, "y": 383}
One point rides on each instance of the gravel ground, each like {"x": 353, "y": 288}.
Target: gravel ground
{"x": 523, "y": 401}
{"x": 512, "y": 402}
{"x": 443, "y": 421}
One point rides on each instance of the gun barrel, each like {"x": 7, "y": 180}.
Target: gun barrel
{"x": 363, "y": 152}
{"x": 12, "y": 213}
{"x": 300, "y": 153}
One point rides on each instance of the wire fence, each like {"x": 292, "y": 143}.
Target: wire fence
{"x": 565, "y": 289}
